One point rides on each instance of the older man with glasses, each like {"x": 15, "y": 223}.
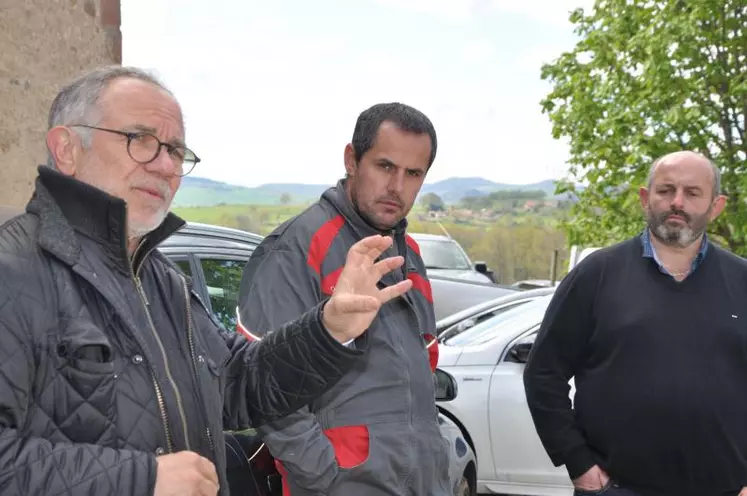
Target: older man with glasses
{"x": 114, "y": 378}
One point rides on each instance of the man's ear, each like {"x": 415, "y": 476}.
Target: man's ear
{"x": 718, "y": 206}
{"x": 350, "y": 162}
{"x": 64, "y": 147}
{"x": 643, "y": 194}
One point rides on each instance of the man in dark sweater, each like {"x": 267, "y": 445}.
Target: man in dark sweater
{"x": 653, "y": 332}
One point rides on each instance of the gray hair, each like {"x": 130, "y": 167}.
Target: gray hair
{"x": 77, "y": 103}
{"x": 714, "y": 168}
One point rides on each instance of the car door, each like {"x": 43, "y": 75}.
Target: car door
{"x": 518, "y": 453}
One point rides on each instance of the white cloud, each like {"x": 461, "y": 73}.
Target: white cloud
{"x": 270, "y": 95}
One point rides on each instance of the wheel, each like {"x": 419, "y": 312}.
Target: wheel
{"x": 463, "y": 488}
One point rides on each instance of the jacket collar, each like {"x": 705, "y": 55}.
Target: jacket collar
{"x": 338, "y": 197}
{"x": 65, "y": 206}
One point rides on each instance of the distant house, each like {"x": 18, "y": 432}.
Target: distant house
{"x": 535, "y": 204}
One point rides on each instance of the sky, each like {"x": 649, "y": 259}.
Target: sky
{"x": 271, "y": 90}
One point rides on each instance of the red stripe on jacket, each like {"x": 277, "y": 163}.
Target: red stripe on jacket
{"x": 414, "y": 246}
{"x": 421, "y": 284}
{"x": 330, "y": 280}
{"x": 321, "y": 241}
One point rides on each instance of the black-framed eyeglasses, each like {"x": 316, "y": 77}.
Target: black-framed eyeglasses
{"x": 144, "y": 147}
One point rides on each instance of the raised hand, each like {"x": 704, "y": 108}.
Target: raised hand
{"x": 356, "y": 298}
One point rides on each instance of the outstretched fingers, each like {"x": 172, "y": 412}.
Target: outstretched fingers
{"x": 351, "y": 303}
{"x": 391, "y": 292}
{"x": 387, "y": 265}
{"x": 367, "y": 250}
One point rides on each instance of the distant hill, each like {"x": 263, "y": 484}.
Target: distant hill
{"x": 201, "y": 192}
{"x": 452, "y": 190}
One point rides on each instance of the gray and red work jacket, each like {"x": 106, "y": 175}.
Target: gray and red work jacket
{"x": 376, "y": 432}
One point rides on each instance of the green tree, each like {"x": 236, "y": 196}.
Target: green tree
{"x": 285, "y": 199}
{"x": 432, "y": 201}
{"x": 648, "y": 78}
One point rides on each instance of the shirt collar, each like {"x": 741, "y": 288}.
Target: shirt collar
{"x": 650, "y": 252}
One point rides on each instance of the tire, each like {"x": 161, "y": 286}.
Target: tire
{"x": 463, "y": 488}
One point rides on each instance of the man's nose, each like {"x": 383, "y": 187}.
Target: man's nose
{"x": 678, "y": 202}
{"x": 397, "y": 181}
{"x": 164, "y": 163}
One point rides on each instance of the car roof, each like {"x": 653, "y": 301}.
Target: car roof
{"x": 198, "y": 234}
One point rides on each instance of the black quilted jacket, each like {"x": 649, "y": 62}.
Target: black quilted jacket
{"x": 107, "y": 362}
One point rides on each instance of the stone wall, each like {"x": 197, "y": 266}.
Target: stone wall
{"x": 44, "y": 44}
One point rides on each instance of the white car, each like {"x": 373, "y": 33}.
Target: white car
{"x": 487, "y": 362}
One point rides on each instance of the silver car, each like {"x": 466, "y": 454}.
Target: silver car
{"x": 443, "y": 256}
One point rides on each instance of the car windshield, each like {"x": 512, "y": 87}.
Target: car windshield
{"x": 525, "y": 316}
{"x": 470, "y": 322}
{"x": 442, "y": 254}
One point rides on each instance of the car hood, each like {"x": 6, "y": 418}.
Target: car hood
{"x": 448, "y": 355}
{"x": 468, "y": 275}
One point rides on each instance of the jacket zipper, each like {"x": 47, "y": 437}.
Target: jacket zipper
{"x": 162, "y": 409}
{"x": 190, "y": 338}
{"x": 159, "y": 394}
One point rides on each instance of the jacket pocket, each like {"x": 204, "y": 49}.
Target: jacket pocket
{"x": 85, "y": 386}
{"x": 593, "y": 492}
{"x": 352, "y": 445}
{"x": 364, "y": 461}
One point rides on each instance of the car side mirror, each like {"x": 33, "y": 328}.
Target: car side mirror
{"x": 519, "y": 352}
{"x": 482, "y": 268}
{"x": 446, "y": 386}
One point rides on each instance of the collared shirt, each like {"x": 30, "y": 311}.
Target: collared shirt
{"x": 650, "y": 252}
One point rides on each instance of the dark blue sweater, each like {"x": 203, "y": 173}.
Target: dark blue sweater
{"x": 660, "y": 369}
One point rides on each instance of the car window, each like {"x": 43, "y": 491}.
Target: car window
{"x": 223, "y": 278}
{"x": 522, "y": 316}
{"x": 444, "y": 254}
{"x": 184, "y": 265}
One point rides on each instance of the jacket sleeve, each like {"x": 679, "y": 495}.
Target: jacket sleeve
{"x": 282, "y": 286}
{"x": 556, "y": 356}
{"x": 36, "y": 466}
{"x": 269, "y": 379}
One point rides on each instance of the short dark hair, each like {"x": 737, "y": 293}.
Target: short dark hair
{"x": 403, "y": 116}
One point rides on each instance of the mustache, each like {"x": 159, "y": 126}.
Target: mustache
{"x": 680, "y": 213}
{"x": 163, "y": 189}
{"x": 392, "y": 199}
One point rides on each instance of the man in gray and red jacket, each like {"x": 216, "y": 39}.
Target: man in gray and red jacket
{"x": 376, "y": 432}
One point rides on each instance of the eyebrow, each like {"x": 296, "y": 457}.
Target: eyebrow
{"x": 150, "y": 130}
